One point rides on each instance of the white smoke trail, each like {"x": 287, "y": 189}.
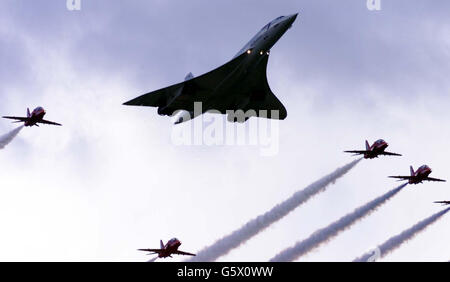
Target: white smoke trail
{"x": 8, "y": 137}
{"x": 258, "y": 224}
{"x": 325, "y": 234}
{"x": 396, "y": 241}
{"x": 153, "y": 259}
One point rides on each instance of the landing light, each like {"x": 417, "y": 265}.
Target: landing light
{"x": 249, "y": 51}
{"x": 261, "y": 52}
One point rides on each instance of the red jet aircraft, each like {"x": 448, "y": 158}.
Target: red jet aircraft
{"x": 37, "y": 116}
{"x": 444, "y": 203}
{"x": 375, "y": 150}
{"x": 421, "y": 174}
{"x": 171, "y": 248}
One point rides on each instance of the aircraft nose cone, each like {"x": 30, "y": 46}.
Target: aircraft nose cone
{"x": 290, "y": 20}
{"x": 293, "y": 17}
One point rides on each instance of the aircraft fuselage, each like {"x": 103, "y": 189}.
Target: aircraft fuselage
{"x": 420, "y": 174}
{"x": 377, "y": 148}
{"x": 258, "y": 47}
{"x": 171, "y": 247}
{"x": 36, "y": 116}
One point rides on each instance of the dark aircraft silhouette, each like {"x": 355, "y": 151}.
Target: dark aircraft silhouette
{"x": 171, "y": 248}
{"x": 444, "y": 203}
{"x": 421, "y": 174}
{"x": 375, "y": 150}
{"x": 238, "y": 88}
{"x": 37, "y": 116}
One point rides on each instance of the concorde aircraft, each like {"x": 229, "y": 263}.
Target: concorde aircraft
{"x": 238, "y": 88}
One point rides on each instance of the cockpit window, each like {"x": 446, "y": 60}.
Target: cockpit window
{"x": 279, "y": 18}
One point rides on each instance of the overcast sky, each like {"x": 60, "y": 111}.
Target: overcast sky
{"x": 111, "y": 180}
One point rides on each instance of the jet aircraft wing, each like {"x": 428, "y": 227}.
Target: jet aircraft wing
{"x": 253, "y": 94}
{"x": 153, "y": 251}
{"x": 49, "y": 122}
{"x": 357, "y": 152}
{"x": 434, "y": 179}
{"x": 181, "y": 96}
{"x": 401, "y": 177}
{"x": 443, "y": 202}
{"x": 260, "y": 95}
{"x": 389, "y": 154}
{"x": 183, "y": 253}
{"x": 18, "y": 119}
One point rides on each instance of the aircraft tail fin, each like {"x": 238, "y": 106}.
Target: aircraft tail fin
{"x": 367, "y": 146}
{"x": 28, "y": 112}
{"x": 161, "y": 244}
{"x": 189, "y": 76}
{"x": 411, "y": 169}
